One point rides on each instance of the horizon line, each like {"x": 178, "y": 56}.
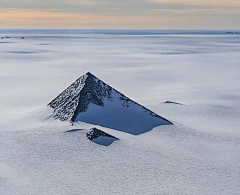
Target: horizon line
{"x": 112, "y": 29}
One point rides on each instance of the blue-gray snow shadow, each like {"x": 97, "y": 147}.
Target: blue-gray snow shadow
{"x": 73, "y": 130}
{"x": 44, "y": 44}
{"x": 134, "y": 125}
{"x": 23, "y": 52}
{"x": 104, "y": 141}
{"x": 101, "y": 140}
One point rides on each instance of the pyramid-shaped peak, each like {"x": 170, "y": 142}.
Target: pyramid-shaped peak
{"x": 91, "y": 100}
{"x": 89, "y": 74}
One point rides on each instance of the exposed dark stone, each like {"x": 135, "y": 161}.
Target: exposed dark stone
{"x": 94, "y": 91}
{"x": 170, "y": 102}
{"x": 95, "y": 133}
{"x": 65, "y": 104}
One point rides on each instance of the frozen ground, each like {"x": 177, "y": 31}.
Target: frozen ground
{"x": 200, "y": 154}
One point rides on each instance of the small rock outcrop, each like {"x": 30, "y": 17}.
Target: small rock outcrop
{"x": 100, "y": 137}
{"x": 95, "y": 133}
{"x": 170, "y": 102}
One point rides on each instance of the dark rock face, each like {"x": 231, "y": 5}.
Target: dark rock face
{"x": 76, "y": 98}
{"x": 94, "y": 91}
{"x": 66, "y": 103}
{"x": 95, "y": 133}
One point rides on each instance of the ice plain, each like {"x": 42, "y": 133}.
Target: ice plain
{"x": 200, "y": 154}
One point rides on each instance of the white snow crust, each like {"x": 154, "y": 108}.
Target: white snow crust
{"x": 198, "y": 155}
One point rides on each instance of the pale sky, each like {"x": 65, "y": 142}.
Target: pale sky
{"x": 120, "y": 14}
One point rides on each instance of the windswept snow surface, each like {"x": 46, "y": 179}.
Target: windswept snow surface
{"x": 199, "y": 154}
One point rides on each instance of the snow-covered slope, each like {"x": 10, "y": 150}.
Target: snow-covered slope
{"x": 198, "y": 155}
{"x": 91, "y": 100}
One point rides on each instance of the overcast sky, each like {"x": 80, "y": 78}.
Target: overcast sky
{"x": 121, "y": 14}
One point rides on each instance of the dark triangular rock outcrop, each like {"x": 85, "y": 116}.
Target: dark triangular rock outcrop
{"x": 95, "y": 133}
{"x": 100, "y": 137}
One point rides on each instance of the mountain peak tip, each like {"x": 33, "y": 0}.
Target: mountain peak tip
{"x": 89, "y": 74}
